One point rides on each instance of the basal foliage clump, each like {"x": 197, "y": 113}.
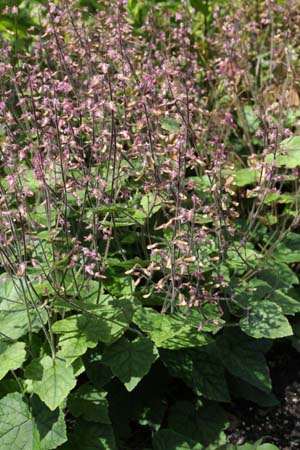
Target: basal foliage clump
{"x": 149, "y": 224}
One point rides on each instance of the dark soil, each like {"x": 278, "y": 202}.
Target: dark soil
{"x": 278, "y": 425}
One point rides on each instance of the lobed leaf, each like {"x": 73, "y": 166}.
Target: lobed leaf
{"x": 52, "y": 380}
{"x": 130, "y": 361}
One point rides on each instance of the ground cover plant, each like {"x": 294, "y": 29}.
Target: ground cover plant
{"x": 149, "y": 223}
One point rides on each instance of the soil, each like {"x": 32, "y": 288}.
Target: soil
{"x": 279, "y": 425}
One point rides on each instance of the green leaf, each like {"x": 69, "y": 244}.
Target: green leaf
{"x": 91, "y": 436}
{"x": 50, "y": 424}
{"x": 145, "y": 403}
{"x": 243, "y": 259}
{"x": 169, "y": 124}
{"x": 244, "y": 177}
{"x": 17, "y": 315}
{"x": 74, "y": 346}
{"x": 268, "y": 447}
{"x": 288, "y": 250}
{"x": 15, "y": 323}
{"x": 171, "y": 332}
{"x": 204, "y": 425}
{"x": 35, "y": 428}
{"x": 106, "y": 326}
{"x": 281, "y": 198}
{"x": 186, "y": 326}
{"x": 241, "y": 389}
{"x": 200, "y": 5}
{"x": 17, "y": 429}
{"x": 158, "y": 326}
{"x": 78, "y": 367}
{"x": 12, "y": 357}
{"x": 200, "y": 370}
{"x": 265, "y": 319}
{"x": 241, "y": 357}
{"x": 29, "y": 180}
{"x": 98, "y": 373}
{"x": 239, "y": 447}
{"x": 166, "y": 439}
{"x": 186, "y": 337}
{"x": 130, "y": 361}
{"x": 10, "y": 291}
{"x": 39, "y": 215}
{"x": 289, "y": 153}
{"x": 51, "y": 381}
{"x": 120, "y": 286}
{"x": 150, "y": 204}
{"x": 90, "y": 403}
{"x": 249, "y": 292}
{"x": 251, "y": 118}
{"x": 288, "y": 305}
{"x": 206, "y": 316}
{"x": 278, "y": 275}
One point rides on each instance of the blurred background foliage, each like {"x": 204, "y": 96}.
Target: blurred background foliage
{"x": 19, "y": 20}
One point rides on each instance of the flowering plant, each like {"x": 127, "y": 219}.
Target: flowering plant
{"x": 149, "y": 220}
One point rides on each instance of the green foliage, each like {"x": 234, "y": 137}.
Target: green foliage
{"x": 289, "y": 153}
{"x": 105, "y": 324}
{"x": 201, "y": 370}
{"x": 172, "y": 332}
{"x": 17, "y": 316}
{"x": 288, "y": 249}
{"x": 12, "y": 356}
{"x": 265, "y": 320}
{"x": 91, "y": 436}
{"x": 169, "y": 124}
{"x": 51, "y": 380}
{"x": 244, "y": 177}
{"x": 244, "y": 358}
{"x": 170, "y": 440}
{"x": 90, "y": 404}
{"x": 204, "y": 424}
{"x": 30, "y": 425}
{"x": 130, "y": 361}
